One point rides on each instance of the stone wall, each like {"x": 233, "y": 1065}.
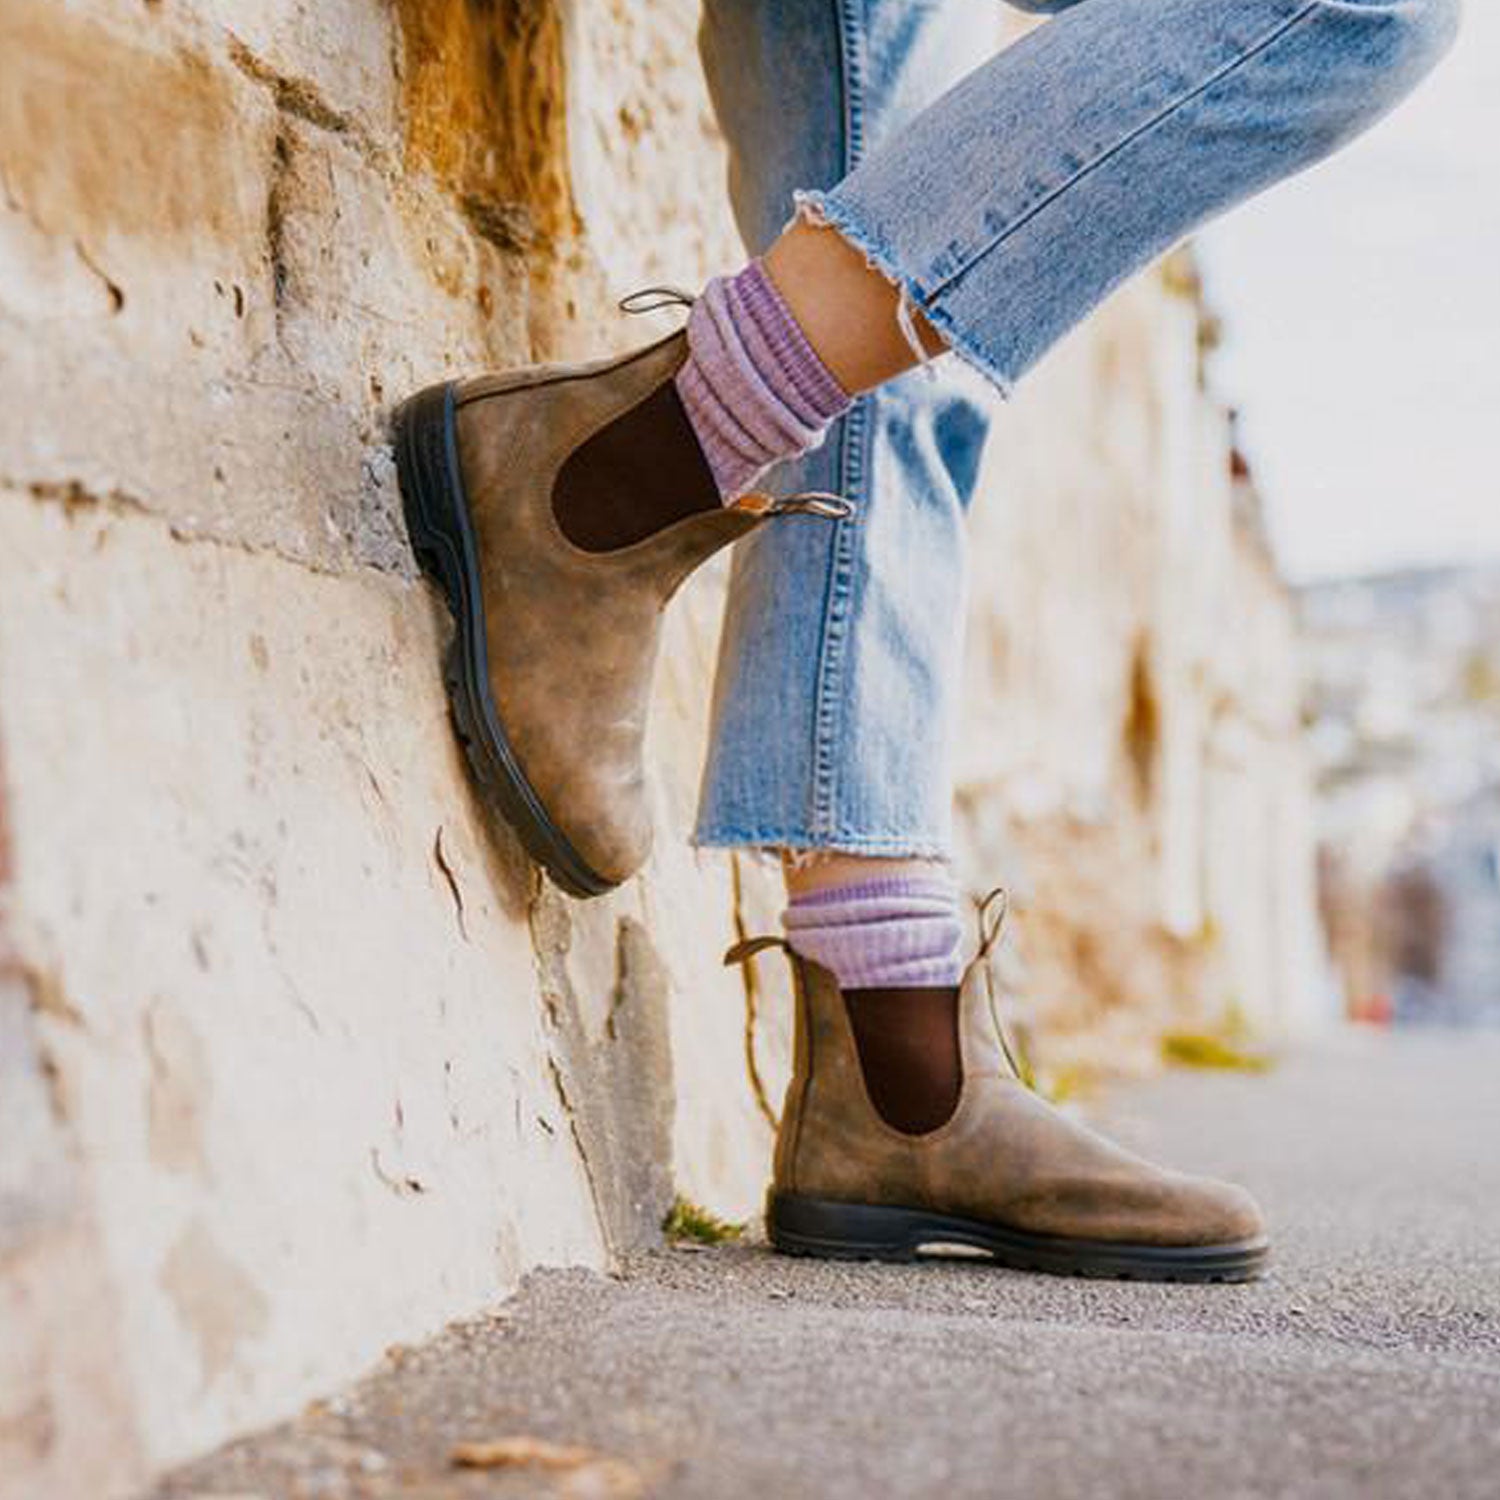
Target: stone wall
{"x": 300, "y": 1058}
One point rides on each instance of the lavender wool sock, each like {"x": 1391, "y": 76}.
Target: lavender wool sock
{"x": 898, "y": 933}
{"x": 753, "y": 387}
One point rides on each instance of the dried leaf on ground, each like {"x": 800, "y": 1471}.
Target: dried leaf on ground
{"x": 518, "y": 1452}
{"x": 589, "y": 1475}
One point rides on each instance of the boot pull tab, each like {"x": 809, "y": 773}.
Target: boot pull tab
{"x": 993, "y": 911}
{"x": 821, "y": 504}
{"x": 744, "y": 951}
{"x": 650, "y": 299}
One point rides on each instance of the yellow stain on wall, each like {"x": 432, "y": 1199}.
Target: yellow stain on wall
{"x": 484, "y": 90}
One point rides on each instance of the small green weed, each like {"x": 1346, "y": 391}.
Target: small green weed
{"x": 686, "y": 1221}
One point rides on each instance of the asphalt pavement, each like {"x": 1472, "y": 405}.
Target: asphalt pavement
{"x": 1366, "y": 1364}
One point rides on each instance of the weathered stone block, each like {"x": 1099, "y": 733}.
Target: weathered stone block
{"x": 291, "y": 957}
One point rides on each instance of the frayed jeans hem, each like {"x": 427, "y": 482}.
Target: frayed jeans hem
{"x": 872, "y": 846}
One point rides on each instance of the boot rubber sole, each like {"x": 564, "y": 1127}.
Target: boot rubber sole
{"x": 860, "y": 1231}
{"x": 425, "y": 434}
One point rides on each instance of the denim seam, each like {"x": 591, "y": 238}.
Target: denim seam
{"x": 1226, "y": 70}
{"x": 852, "y": 83}
{"x": 831, "y": 716}
{"x": 828, "y": 715}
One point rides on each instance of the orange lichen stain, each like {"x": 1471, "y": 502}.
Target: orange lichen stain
{"x": 485, "y": 109}
{"x": 99, "y": 135}
{"x": 1142, "y": 732}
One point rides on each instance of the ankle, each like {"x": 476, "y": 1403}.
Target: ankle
{"x": 808, "y": 872}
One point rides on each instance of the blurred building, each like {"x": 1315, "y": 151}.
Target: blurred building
{"x": 1403, "y": 703}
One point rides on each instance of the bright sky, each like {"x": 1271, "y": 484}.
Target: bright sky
{"x": 1362, "y": 305}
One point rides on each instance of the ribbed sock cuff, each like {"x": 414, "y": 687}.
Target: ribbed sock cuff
{"x": 753, "y": 387}
{"x": 900, "y": 932}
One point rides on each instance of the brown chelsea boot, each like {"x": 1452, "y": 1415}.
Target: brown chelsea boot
{"x": 1005, "y": 1173}
{"x": 549, "y": 673}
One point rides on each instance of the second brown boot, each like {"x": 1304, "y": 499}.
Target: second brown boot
{"x": 1005, "y": 1172}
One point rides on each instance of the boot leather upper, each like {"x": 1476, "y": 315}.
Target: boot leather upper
{"x": 573, "y": 635}
{"x": 1004, "y": 1157}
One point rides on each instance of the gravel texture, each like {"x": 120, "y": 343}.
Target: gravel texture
{"x": 1366, "y": 1364}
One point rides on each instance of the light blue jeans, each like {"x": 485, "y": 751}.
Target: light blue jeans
{"x": 1007, "y": 202}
